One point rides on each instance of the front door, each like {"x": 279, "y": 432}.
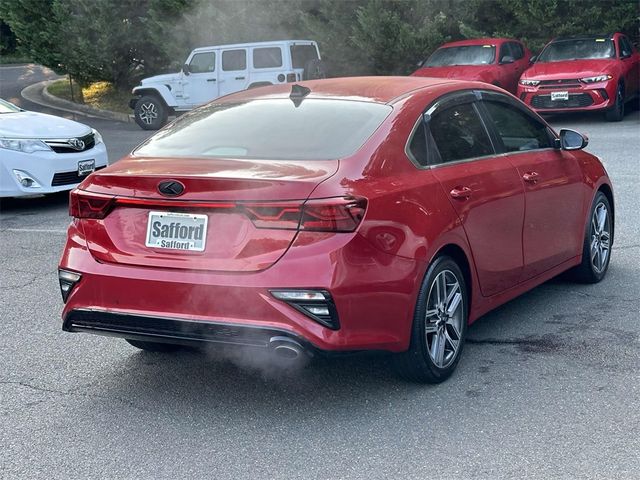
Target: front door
{"x": 554, "y": 193}
{"x": 201, "y": 85}
{"x": 486, "y": 192}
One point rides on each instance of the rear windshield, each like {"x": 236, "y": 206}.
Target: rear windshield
{"x": 467, "y": 55}
{"x": 578, "y": 49}
{"x": 301, "y": 54}
{"x": 274, "y": 129}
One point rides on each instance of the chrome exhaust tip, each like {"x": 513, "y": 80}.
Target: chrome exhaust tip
{"x": 285, "y": 348}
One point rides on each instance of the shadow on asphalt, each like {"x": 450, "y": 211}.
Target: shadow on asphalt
{"x": 39, "y": 203}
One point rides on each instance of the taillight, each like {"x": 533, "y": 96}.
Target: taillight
{"x": 89, "y": 205}
{"x": 291, "y": 77}
{"x": 342, "y": 214}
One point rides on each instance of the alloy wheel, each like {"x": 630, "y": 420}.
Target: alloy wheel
{"x": 600, "y": 237}
{"x": 148, "y": 113}
{"x": 443, "y": 319}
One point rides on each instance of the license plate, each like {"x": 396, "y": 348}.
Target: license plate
{"x": 559, "y": 96}
{"x": 85, "y": 167}
{"x": 177, "y": 231}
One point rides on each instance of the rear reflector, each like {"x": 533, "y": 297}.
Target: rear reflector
{"x": 315, "y": 304}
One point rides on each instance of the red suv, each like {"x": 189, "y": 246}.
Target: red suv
{"x": 589, "y": 72}
{"x": 498, "y": 61}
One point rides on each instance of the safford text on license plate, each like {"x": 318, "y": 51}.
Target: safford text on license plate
{"x": 177, "y": 231}
{"x": 559, "y": 96}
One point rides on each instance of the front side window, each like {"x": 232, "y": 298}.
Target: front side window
{"x": 625, "y": 47}
{"x": 517, "y": 50}
{"x": 466, "y": 55}
{"x": 203, "y": 62}
{"x": 270, "y": 57}
{"x": 578, "y": 49}
{"x": 506, "y": 51}
{"x": 233, "y": 60}
{"x": 518, "y": 131}
{"x": 459, "y": 134}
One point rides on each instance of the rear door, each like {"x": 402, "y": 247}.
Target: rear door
{"x": 234, "y": 74}
{"x": 484, "y": 189}
{"x": 552, "y": 180}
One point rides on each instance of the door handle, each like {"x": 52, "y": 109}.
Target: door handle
{"x": 211, "y": 79}
{"x": 460, "y": 193}
{"x": 531, "y": 177}
{"x": 239, "y": 78}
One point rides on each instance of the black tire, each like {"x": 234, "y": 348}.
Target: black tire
{"x": 417, "y": 363}
{"x": 150, "y": 112}
{"x": 616, "y": 113}
{"x": 591, "y": 270}
{"x": 314, "y": 69}
{"x": 154, "y": 346}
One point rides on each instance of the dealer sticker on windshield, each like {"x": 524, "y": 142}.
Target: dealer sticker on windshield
{"x": 559, "y": 96}
{"x": 177, "y": 231}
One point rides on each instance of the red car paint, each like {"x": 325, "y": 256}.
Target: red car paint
{"x": 497, "y": 72}
{"x": 504, "y": 232}
{"x": 567, "y": 75}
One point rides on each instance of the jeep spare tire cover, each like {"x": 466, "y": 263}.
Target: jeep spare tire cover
{"x": 314, "y": 69}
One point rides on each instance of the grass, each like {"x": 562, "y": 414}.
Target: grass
{"x": 99, "y": 95}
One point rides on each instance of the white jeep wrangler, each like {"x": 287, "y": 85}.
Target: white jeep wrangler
{"x": 211, "y": 72}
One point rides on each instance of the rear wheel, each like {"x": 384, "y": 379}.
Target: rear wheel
{"x": 153, "y": 346}
{"x": 151, "y": 113}
{"x": 616, "y": 113}
{"x": 439, "y": 325}
{"x": 596, "y": 250}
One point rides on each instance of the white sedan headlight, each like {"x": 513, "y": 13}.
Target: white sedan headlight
{"x": 599, "y": 78}
{"x": 24, "y": 145}
{"x": 529, "y": 83}
{"x": 97, "y": 136}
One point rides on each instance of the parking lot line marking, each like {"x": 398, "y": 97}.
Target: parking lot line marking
{"x": 33, "y": 230}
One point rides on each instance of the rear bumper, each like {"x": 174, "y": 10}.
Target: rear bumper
{"x": 374, "y": 294}
{"x": 175, "y": 330}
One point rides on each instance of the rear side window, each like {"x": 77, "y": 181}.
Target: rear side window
{"x": 203, "y": 62}
{"x": 274, "y": 129}
{"x": 270, "y": 57}
{"x": 518, "y": 131}
{"x": 301, "y": 54}
{"x": 234, "y": 60}
{"x": 459, "y": 134}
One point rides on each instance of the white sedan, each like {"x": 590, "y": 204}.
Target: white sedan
{"x": 42, "y": 153}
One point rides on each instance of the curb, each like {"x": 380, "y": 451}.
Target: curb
{"x": 37, "y": 93}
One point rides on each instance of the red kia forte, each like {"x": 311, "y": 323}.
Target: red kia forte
{"x": 341, "y": 215}
{"x": 589, "y": 72}
{"x": 499, "y": 61}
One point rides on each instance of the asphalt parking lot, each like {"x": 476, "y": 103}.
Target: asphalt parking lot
{"x": 548, "y": 387}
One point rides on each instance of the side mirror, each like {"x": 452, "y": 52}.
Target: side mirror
{"x": 185, "y": 69}
{"x": 507, "y": 59}
{"x": 533, "y": 59}
{"x": 572, "y": 140}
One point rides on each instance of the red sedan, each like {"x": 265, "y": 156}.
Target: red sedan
{"x": 382, "y": 213}
{"x": 498, "y": 61}
{"x": 586, "y": 72}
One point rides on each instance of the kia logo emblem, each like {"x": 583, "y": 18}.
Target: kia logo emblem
{"x": 171, "y": 188}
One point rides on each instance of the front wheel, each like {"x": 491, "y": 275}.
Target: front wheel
{"x": 439, "y": 325}
{"x": 616, "y": 113}
{"x": 596, "y": 250}
{"x": 150, "y": 113}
